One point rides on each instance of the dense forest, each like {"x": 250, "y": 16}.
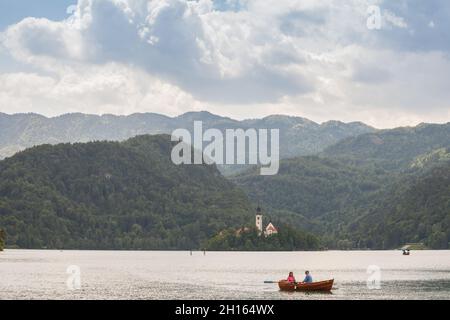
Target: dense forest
{"x": 248, "y": 239}
{"x": 379, "y": 190}
{"x": 311, "y": 186}
{"x": 375, "y": 191}
{"x": 416, "y": 208}
{"x": 298, "y": 136}
{"x": 111, "y": 195}
{"x": 394, "y": 149}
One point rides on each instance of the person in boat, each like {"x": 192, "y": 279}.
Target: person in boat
{"x": 308, "y": 278}
{"x": 291, "y": 278}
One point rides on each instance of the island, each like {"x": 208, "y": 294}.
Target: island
{"x": 260, "y": 238}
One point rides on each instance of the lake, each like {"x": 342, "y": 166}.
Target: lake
{"x": 42, "y": 274}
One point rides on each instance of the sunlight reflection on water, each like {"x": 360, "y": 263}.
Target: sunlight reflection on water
{"x": 39, "y": 274}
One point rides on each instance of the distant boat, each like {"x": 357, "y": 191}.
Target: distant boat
{"x": 322, "y": 286}
{"x": 406, "y": 252}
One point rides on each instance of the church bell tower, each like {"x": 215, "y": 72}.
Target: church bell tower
{"x": 259, "y": 223}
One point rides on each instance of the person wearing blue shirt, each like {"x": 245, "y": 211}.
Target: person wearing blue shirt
{"x": 308, "y": 278}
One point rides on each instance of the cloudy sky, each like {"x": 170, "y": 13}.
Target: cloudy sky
{"x": 318, "y": 59}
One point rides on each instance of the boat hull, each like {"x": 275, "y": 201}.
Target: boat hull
{"x": 321, "y": 286}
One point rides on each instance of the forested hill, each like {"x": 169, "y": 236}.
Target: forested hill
{"x": 316, "y": 194}
{"x": 298, "y": 136}
{"x": 416, "y": 208}
{"x": 310, "y": 186}
{"x": 393, "y": 149}
{"x": 111, "y": 195}
{"x": 360, "y": 205}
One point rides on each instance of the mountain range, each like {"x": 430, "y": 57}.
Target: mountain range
{"x": 298, "y": 136}
{"x": 351, "y": 185}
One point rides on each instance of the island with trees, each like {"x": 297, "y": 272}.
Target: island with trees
{"x": 260, "y": 238}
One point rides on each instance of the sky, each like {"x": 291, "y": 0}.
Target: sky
{"x": 382, "y": 62}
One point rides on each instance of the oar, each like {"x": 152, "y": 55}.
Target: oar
{"x": 270, "y": 281}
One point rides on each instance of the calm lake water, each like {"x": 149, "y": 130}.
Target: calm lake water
{"x": 39, "y": 274}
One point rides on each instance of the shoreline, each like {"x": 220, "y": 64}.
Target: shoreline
{"x": 218, "y": 251}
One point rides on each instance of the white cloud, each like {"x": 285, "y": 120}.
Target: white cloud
{"x": 109, "y": 88}
{"x": 310, "y": 58}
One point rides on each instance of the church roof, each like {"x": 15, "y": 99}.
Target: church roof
{"x": 271, "y": 227}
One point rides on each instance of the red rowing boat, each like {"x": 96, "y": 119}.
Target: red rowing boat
{"x": 324, "y": 286}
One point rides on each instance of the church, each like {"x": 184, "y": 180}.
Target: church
{"x": 270, "y": 228}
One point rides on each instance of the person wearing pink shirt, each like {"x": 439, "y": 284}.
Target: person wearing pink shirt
{"x": 291, "y": 277}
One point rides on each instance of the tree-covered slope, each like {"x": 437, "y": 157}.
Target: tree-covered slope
{"x": 416, "y": 208}
{"x": 298, "y": 136}
{"x": 393, "y": 149}
{"x": 359, "y": 206}
{"x": 111, "y": 195}
{"x": 311, "y": 186}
